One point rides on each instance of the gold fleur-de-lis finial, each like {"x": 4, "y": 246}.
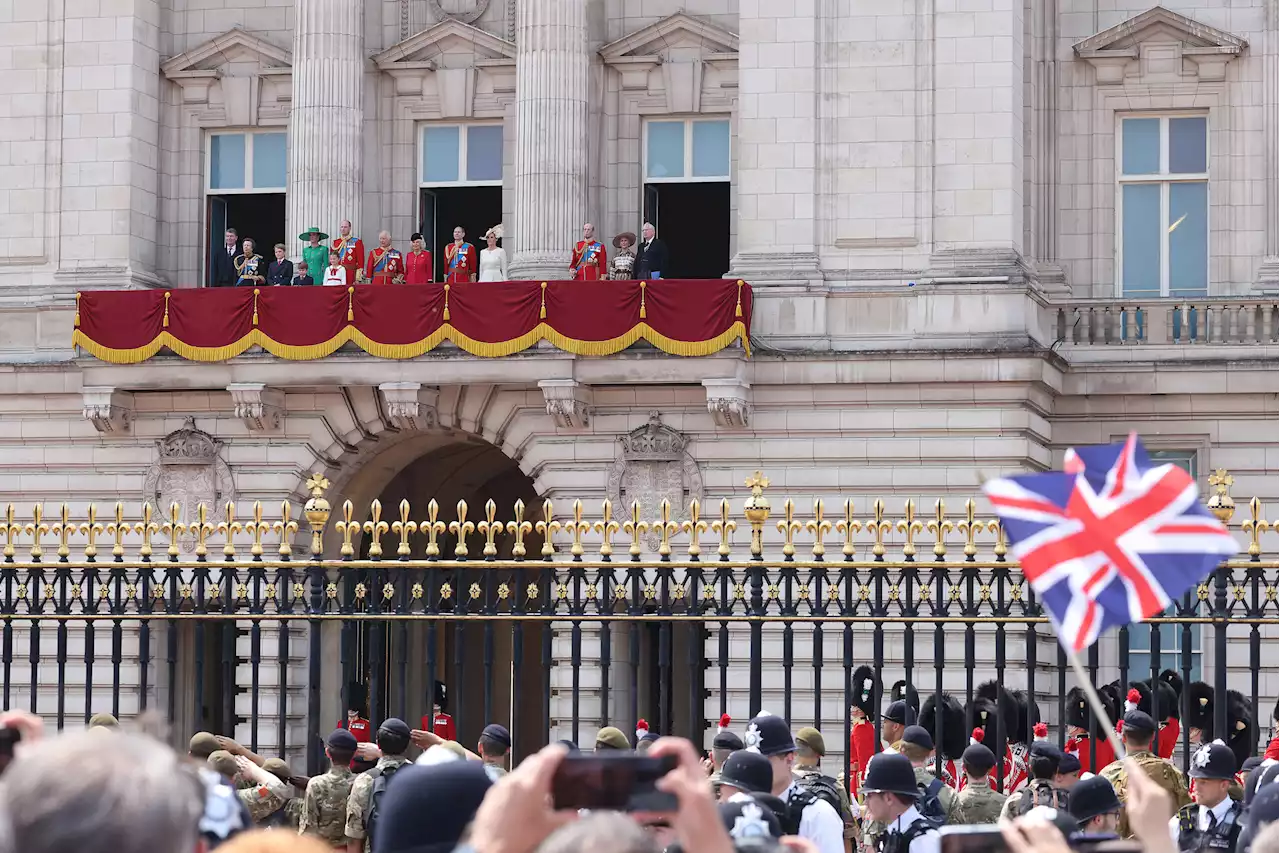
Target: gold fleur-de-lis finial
{"x": 547, "y": 526}
{"x": 695, "y": 527}
{"x": 878, "y": 527}
{"x": 285, "y": 528}
{"x": 117, "y": 530}
{"x": 940, "y": 527}
{"x": 848, "y": 526}
{"x": 635, "y": 528}
{"x": 577, "y": 527}
{"x": 375, "y": 527}
{"x": 229, "y": 528}
{"x": 819, "y": 527}
{"x": 1001, "y": 547}
{"x": 970, "y": 527}
{"x": 461, "y": 528}
{"x": 724, "y": 527}
{"x": 203, "y": 527}
{"x": 910, "y": 527}
{"x": 608, "y": 528}
{"x": 490, "y": 527}
{"x": 148, "y": 528}
{"x": 404, "y": 528}
{"x": 11, "y": 531}
{"x": 36, "y": 528}
{"x": 63, "y": 530}
{"x": 665, "y": 528}
{"x": 788, "y": 527}
{"x": 92, "y": 530}
{"x": 347, "y": 528}
{"x": 1255, "y": 526}
{"x": 174, "y": 528}
{"x": 257, "y": 527}
{"x": 433, "y": 527}
{"x": 519, "y": 529}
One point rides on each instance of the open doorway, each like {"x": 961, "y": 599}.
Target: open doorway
{"x": 693, "y": 220}
{"x": 476, "y": 209}
{"x": 259, "y": 216}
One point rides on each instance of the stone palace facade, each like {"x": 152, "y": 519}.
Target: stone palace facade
{"x": 978, "y": 232}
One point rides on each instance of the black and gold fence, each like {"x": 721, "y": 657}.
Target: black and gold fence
{"x": 562, "y": 598}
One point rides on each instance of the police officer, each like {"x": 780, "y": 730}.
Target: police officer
{"x": 978, "y": 803}
{"x": 1212, "y": 822}
{"x": 745, "y": 773}
{"x": 1095, "y": 806}
{"x": 1137, "y": 733}
{"x": 809, "y": 816}
{"x": 891, "y": 792}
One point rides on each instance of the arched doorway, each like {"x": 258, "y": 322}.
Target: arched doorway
{"x": 491, "y": 669}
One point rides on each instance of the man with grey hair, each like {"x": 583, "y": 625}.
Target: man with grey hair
{"x": 651, "y": 254}
{"x": 83, "y": 793}
{"x": 385, "y": 264}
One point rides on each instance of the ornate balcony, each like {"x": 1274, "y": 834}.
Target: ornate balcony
{"x": 1134, "y": 322}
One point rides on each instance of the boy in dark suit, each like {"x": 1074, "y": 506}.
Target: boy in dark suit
{"x": 281, "y": 269}
{"x": 302, "y": 276}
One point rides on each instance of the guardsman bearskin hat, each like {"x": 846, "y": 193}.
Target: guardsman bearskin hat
{"x": 982, "y": 714}
{"x": 1200, "y": 712}
{"x": 1077, "y": 713}
{"x": 1147, "y": 699}
{"x": 1028, "y": 716}
{"x": 440, "y": 696}
{"x": 357, "y": 697}
{"x": 907, "y": 693}
{"x": 1239, "y": 726}
{"x": 1172, "y": 679}
{"x": 955, "y": 736}
{"x": 865, "y": 688}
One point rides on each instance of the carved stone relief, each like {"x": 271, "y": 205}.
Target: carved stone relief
{"x": 466, "y": 11}
{"x": 189, "y": 470}
{"x": 653, "y": 465}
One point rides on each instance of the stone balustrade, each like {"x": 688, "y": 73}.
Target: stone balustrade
{"x": 1156, "y": 321}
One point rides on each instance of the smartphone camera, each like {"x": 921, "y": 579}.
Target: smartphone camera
{"x": 612, "y": 782}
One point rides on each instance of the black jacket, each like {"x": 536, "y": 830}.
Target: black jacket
{"x": 651, "y": 260}
{"x": 224, "y": 267}
{"x": 280, "y": 272}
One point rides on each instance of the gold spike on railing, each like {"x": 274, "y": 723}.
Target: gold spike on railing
{"x": 461, "y": 528}
{"x": 940, "y": 527}
{"x": 203, "y": 527}
{"x": 970, "y": 527}
{"x": 433, "y": 527}
{"x": 819, "y": 527}
{"x": 117, "y": 530}
{"x": 665, "y": 527}
{"x": 1255, "y": 526}
{"x": 1000, "y": 548}
{"x": 695, "y": 527}
{"x": 607, "y": 528}
{"x": 90, "y": 529}
{"x": 519, "y": 529}
{"x": 148, "y": 528}
{"x": 36, "y": 528}
{"x": 11, "y": 531}
{"x": 173, "y": 529}
{"x": 257, "y": 527}
{"x": 63, "y": 530}
{"x": 547, "y": 526}
{"x": 878, "y": 527}
{"x": 285, "y": 528}
{"x": 788, "y": 527}
{"x": 724, "y": 527}
{"x": 490, "y": 528}
{"x": 635, "y": 528}
{"x": 404, "y": 528}
{"x": 347, "y": 528}
{"x": 577, "y": 527}
{"x": 848, "y": 526}
{"x": 229, "y": 528}
{"x": 910, "y": 527}
{"x": 375, "y": 527}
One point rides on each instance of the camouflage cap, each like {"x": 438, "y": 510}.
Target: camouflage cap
{"x": 812, "y": 738}
{"x": 103, "y": 721}
{"x": 203, "y": 745}
{"x": 224, "y": 763}
{"x": 278, "y": 768}
{"x": 612, "y": 738}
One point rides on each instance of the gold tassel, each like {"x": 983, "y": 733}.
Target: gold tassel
{"x": 446, "y": 303}
{"x": 166, "y": 309}
{"x": 255, "y": 306}
{"x": 542, "y": 310}
{"x": 737, "y": 309}
{"x": 351, "y": 311}
{"x": 643, "y": 312}
{"x": 77, "y": 324}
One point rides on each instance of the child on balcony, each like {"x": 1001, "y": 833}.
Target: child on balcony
{"x": 334, "y": 273}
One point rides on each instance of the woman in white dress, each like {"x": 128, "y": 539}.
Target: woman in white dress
{"x": 493, "y": 260}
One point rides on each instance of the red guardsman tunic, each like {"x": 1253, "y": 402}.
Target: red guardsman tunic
{"x": 384, "y": 266}
{"x": 350, "y": 255}
{"x": 862, "y": 745}
{"x": 417, "y": 268}
{"x": 1080, "y": 746}
{"x": 359, "y": 728}
{"x": 589, "y": 262}
{"x": 441, "y": 724}
{"x": 460, "y": 262}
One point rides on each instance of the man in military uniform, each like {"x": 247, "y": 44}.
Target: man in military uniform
{"x": 1040, "y": 790}
{"x": 264, "y": 795}
{"x": 611, "y": 738}
{"x": 724, "y": 744}
{"x": 1138, "y": 732}
{"x": 1095, "y": 806}
{"x": 1212, "y": 822}
{"x": 810, "y": 817}
{"x": 393, "y": 739}
{"x": 891, "y": 795}
{"x": 1068, "y": 771}
{"x": 978, "y": 803}
{"x": 862, "y": 734}
{"x": 324, "y": 805}
{"x": 810, "y": 749}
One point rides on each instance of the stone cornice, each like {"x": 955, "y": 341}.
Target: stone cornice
{"x": 703, "y": 32}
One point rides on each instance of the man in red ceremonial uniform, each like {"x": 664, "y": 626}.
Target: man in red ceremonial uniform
{"x": 589, "y": 262}
{"x": 862, "y": 737}
{"x": 438, "y": 722}
{"x": 385, "y": 264}
{"x": 1081, "y": 739}
{"x": 350, "y": 251}
{"x": 360, "y": 728}
{"x": 417, "y": 264}
{"x": 460, "y": 258}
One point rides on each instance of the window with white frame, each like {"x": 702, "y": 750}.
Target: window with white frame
{"x": 461, "y": 155}
{"x": 1162, "y": 205}
{"x": 686, "y": 150}
{"x": 1169, "y": 634}
{"x": 246, "y": 162}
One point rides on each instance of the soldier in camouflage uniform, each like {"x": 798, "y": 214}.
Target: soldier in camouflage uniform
{"x": 291, "y": 815}
{"x": 979, "y": 804}
{"x": 324, "y": 806}
{"x": 265, "y": 795}
{"x": 1138, "y": 732}
{"x": 393, "y": 740}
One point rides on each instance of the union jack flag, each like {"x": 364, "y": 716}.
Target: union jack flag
{"x": 1110, "y": 541}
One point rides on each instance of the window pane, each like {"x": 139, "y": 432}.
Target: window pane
{"x": 268, "y": 160}
{"x": 1141, "y": 146}
{"x": 1189, "y": 239}
{"x": 1170, "y": 649}
{"x": 484, "y": 152}
{"x": 1187, "y": 145}
{"x": 439, "y": 154}
{"x": 711, "y": 149}
{"x": 226, "y": 161}
{"x": 666, "y": 149}
{"x": 1140, "y": 240}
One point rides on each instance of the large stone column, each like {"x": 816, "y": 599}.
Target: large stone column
{"x": 326, "y": 124}
{"x": 552, "y": 63}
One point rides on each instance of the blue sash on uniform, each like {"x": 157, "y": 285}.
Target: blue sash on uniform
{"x": 457, "y": 254}
{"x": 248, "y": 268}
{"x": 588, "y": 255}
{"x": 381, "y": 265}
{"x": 347, "y": 250}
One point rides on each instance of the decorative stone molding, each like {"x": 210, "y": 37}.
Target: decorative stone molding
{"x": 245, "y": 100}
{"x": 109, "y": 410}
{"x": 189, "y": 470}
{"x": 475, "y": 9}
{"x": 418, "y": 67}
{"x": 696, "y": 64}
{"x": 261, "y": 408}
{"x": 568, "y": 402}
{"x": 409, "y": 405}
{"x": 1160, "y": 44}
{"x": 654, "y": 465}
{"x": 729, "y": 402}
